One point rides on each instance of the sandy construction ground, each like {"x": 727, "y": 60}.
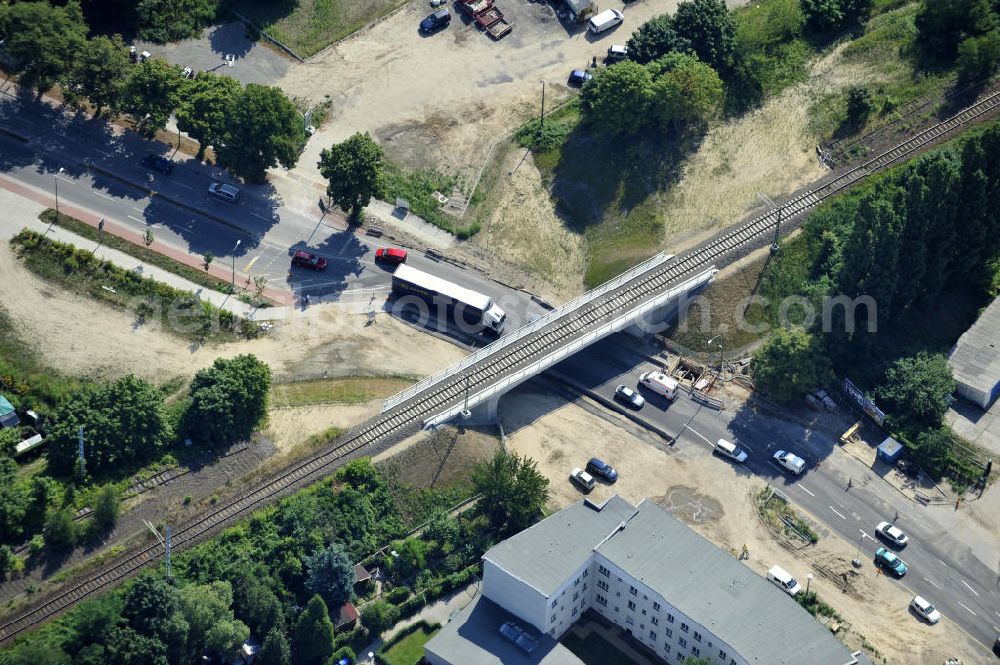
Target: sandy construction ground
{"x": 89, "y": 339}
{"x": 714, "y": 498}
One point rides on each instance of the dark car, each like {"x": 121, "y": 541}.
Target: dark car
{"x": 601, "y": 469}
{"x": 308, "y": 260}
{"x": 157, "y": 163}
{"x": 390, "y": 255}
{"x": 629, "y": 396}
{"x": 578, "y": 77}
{"x": 890, "y": 562}
{"x": 439, "y": 19}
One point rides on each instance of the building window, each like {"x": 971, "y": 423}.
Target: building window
{"x": 644, "y": 613}
{"x": 553, "y": 619}
{"x": 732, "y": 661}
{"x": 722, "y": 655}
{"x": 652, "y": 636}
{"x": 586, "y": 572}
{"x": 602, "y": 585}
{"x": 670, "y": 632}
{"x": 604, "y": 571}
{"x": 655, "y": 621}
{"x": 554, "y": 601}
{"x": 573, "y": 612}
{"x": 656, "y": 606}
{"x": 602, "y": 600}
{"x": 684, "y": 627}
{"x": 682, "y": 642}
{"x": 584, "y": 586}
{"x": 631, "y": 605}
{"x": 632, "y": 590}
{"x": 576, "y": 582}
{"x": 670, "y": 617}
{"x": 695, "y": 652}
{"x": 666, "y": 648}
{"x": 697, "y": 636}
{"x": 576, "y": 595}
{"x": 630, "y": 621}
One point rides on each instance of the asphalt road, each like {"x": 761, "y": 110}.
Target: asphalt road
{"x": 964, "y": 588}
{"x": 268, "y": 232}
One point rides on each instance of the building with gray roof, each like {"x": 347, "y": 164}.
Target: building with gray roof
{"x": 975, "y": 359}
{"x": 665, "y": 585}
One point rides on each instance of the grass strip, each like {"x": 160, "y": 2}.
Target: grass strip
{"x": 341, "y": 390}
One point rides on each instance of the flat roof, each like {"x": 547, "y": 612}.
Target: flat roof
{"x": 975, "y": 359}
{"x": 545, "y": 555}
{"x": 473, "y": 637}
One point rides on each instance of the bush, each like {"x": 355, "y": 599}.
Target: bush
{"x": 379, "y": 616}
{"x": 398, "y": 594}
{"x": 543, "y": 138}
{"x": 341, "y": 653}
{"x": 412, "y": 606}
{"x": 60, "y": 530}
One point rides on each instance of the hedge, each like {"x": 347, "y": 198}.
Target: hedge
{"x": 401, "y": 635}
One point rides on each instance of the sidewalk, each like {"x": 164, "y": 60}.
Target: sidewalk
{"x": 22, "y": 210}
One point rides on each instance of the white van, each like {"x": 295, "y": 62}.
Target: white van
{"x": 227, "y": 193}
{"x": 731, "y": 451}
{"x": 783, "y": 580}
{"x": 606, "y": 20}
{"x": 660, "y": 383}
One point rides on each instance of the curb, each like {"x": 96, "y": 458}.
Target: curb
{"x": 14, "y": 135}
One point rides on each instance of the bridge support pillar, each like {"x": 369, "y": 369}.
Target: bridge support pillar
{"x": 484, "y": 413}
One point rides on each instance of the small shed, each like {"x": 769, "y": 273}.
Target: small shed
{"x": 347, "y": 617}
{"x": 246, "y": 654}
{"x": 361, "y": 574}
{"x": 889, "y": 450}
{"x": 8, "y": 417}
{"x": 581, "y": 10}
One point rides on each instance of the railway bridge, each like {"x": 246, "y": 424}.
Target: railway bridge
{"x": 489, "y": 372}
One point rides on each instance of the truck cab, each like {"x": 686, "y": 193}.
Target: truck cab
{"x": 496, "y": 319}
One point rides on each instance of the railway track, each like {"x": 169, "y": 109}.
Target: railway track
{"x": 446, "y": 392}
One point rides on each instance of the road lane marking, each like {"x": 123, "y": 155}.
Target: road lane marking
{"x": 807, "y": 491}
{"x": 104, "y": 195}
{"x": 139, "y": 209}
{"x": 181, "y": 184}
{"x": 250, "y": 265}
{"x": 266, "y": 219}
{"x": 942, "y": 563}
{"x": 997, "y": 613}
{"x": 836, "y": 513}
{"x": 105, "y": 153}
{"x": 697, "y": 433}
{"x": 970, "y": 588}
{"x": 970, "y": 611}
{"x": 136, "y": 219}
{"x": 932, "y": 582}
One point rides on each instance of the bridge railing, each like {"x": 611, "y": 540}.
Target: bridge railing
{"x": 524, "y": 330}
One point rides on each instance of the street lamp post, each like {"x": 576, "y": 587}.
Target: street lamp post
{"x": 722, "y": 354}
{"x": 233, "y": 286}
{"x": 809, "y": 579}
{"x": 857, "y": 557}
{"x": 55, "y": 179}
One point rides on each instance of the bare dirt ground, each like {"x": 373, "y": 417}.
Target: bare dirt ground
{"x": 291, "y": 425}
{"x": 714, "y": 499}
{"x": 440, "y": 458}
{"x": 84, "y": 338}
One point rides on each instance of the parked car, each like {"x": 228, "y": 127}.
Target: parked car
{"x": 439, "y": 19}
{"x": 606, "y": 20}
{"x": 616, "y": 53}
{"x": 892, "y": 534}
{"x": 308, "y": 260}
{"x": 922, "y": 607}
{"x": 790, "y": 462}
{"x": 390, "y": 255}
{"x": 782, "y": 579}
{"x": 730, "y": 451}
{"x": 578, "y": 77}
{"x": 629, "y": 396}
{"x": 889, "y": 561}
{"x": 602, "y": 469}
{"x": 157, "y": 163}
{"x": 583, "y": 479}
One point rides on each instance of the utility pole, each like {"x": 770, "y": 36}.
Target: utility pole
{"x": 234, "y": 265}
{"x": 542, "y": 119}
{"x": 165, "y": 543}
{"x": 168, "y": 552}
{"x": 55, "y": 180}
{"x": 465, "y": 410}
{"x": 777, "y": 225}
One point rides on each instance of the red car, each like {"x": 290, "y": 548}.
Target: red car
{"x": 308, "y": 260}
{"x": 390, "y": 255}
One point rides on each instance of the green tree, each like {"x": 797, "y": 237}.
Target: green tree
{"x": 14, "y": 502}
{"x": 709, "y": 26}
{"x": 618, "y": 99}
{"x": 691, "y": 660}
{"x": 978, "y": 57}
{"x": 443, "y": 529}
{"x": 106, "y": 504}
{"x": 97, "y": 72}
{"x": 790, "y": 363}
{"x": 255, "y": 603}
{"x": 263, "y": 131}
{"x": 411, "y": 556}
{"x": 831, "y": 15}
{"x": 206, "y": 108}
{"x": 150, "y": 606}
{"x": 150, "y": 92}
{"x": 654, "y": 39}
{"x": 207, "y": 610}
{"x": 917, "y": 391}
{"x": 944, "y": 24}
{"x": 227, "y": 400}
{"x": 685, "y": 90}
{"x": 331, "y": 575}
{"x": 60, "y": 530}
{"x": 353, "y": 169}
{"x": 127, "y": 647}
{"x": 859, "y": 105}
{"x": 122, "y": 422}
{"x": 931, "y": 450}
{"x": 275, "y": 650}
{"x": 94, "y": 619}
{"x": 312, "y": 642}
{"x": 43, "y": 40}
{"x": 512, "y": 491}
{"x": 164, "y": 21}
{"x": 379, "y": 616}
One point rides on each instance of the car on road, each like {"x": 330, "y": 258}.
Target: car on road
{"x": 390, "y": 255}
{"x": 631, "y": 397}
{"x": 601, "y": 469}
{"x": 583, "y": 479}
{"x": 889, "y": 561}
{"x": 730, "y": 451}
{"x": 436, "y": 21}
{"x": 308, "y": 260}
{"x": 225, "y": 192}
{"x": 892, "y": 534}
{"x": 578, "y": 77}
{"x": 923, "y": 607}
{"x": 157, "y": 163}
{"x": 790, "y": 462}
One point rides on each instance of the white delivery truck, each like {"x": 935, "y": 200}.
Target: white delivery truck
{"x": 660, "y": 383}
{"x": 473, "y": 308}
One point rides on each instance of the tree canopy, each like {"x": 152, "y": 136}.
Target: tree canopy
{"x": 227, "y": 400}
{"x": 512, "y": 491}
{"x": 312, "y": 642}
{"x": 172, "y": 20}
{"x": 98, "y": 71}
{"x": 709, "y": 27}
{"x": 685, "y": 90}
{"x": 831, "y": 15}
{"x": 790, "y": 363}
{"x": 150, "y": 93}
{"x": 654, "y": 39}
{"x": 353, "y": 169}
{"x": 617, "y": 99}
{"x": 331, "y": 575}
{"x": 206, "y": 108}
{"x": 917, "y": 391}
{"x": 944, "y": 24}
{"x": 44, "y": 40}
{"x": 264, "y": 130}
